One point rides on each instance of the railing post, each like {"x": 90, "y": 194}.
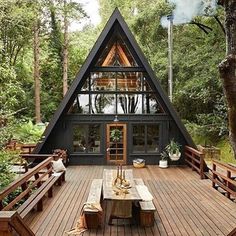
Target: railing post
{"x": 202, "y": 175}
{"x": 213, "y": 175}
{"x": 192, "y": 160}
{"x": 228, "y": 183}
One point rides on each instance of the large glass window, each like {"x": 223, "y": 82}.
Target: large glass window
{"x": 146, "y": 138}
{"x": 103, "y": 103}
{"x": 129, "y": 103}
{"x": 103, "y": 81}
{"x": 86, "y": 138}
{"x": 129, "y": 81}
{"x": 139, "y": 138}
{"x": 116, "y": 93}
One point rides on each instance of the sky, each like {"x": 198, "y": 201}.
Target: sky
{"x": 92, "y": 9}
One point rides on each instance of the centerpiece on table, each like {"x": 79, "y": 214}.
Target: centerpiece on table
{"x": 121, "y": 184}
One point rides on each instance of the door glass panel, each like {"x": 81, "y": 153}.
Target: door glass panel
{"x": 103, "y": 103}
{"x": 115, "y": 143}
{"x": 138, "y": 138}
{"x": 152, "y": 138}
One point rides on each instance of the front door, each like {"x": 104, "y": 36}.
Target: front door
{"x": 116, "y": 143}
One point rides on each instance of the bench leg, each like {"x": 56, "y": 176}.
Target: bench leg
{"x": 50, "y": 192}
{"x": 40, "y": 205}
{"x": 146, "y": 218}
{"x": 63, "y": 177}
{"x": 93, "y": 220}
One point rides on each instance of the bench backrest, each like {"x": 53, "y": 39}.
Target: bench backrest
{"x": 26, "y": 184}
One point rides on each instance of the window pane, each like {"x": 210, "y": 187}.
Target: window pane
{"x": 139, "y": 138}
{"x": 81, "y": 104}
{"x": 129, "y": 103}
{"x": 79, "y": 138}
{"x": 94, "y": 138}
{"x": 116, "y": 53}
{"x": 146, "y": 86}
{"x": 153, "y": 138}
{"x": 129, "y": 81}
{"x": 103, "y": 81}
{"x": 151, "y": 105}
{"x": 85, "y": 86}
{"x": 103, "y": 103}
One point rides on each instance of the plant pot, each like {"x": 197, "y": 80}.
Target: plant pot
{"x": 163, "y": 163}
{"x": 174, "y": 156}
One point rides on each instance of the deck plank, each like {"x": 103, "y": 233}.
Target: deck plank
{"x": 185, "y": 205}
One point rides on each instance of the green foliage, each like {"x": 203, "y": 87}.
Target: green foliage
{"x": 115, "y": 135}
{"x": 6, "y": 176}
{"x": 28, "y": 132}
{"x": 227, "y": 154}
{"x": 173, "y": 147}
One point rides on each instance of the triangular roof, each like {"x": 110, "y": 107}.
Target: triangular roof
{"x": 115, "y": 18}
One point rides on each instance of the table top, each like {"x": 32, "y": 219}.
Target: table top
{"x": 109, "y": 176}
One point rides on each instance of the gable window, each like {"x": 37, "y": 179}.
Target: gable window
{"x": 116, "y": 93}
{"x": 86, "y": 138}
{"x": 146, "y": 138}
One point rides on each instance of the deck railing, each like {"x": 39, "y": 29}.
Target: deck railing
{"x": 12, "y": 224}
{"x": 23, "y": 194}
{"x": 27, "y": 183}
{"x": 223, "y": 176}
{"x": 195, "y": 159}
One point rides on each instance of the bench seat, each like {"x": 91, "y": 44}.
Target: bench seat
{"x": 147, "y": 209}
{"x": 37, "y": 197}
{"x": 93, "y": 215}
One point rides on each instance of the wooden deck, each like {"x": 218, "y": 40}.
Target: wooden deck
{"x": 185, "y": 205}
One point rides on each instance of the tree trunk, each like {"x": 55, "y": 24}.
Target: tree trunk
{"x": 227, "y": 68}
{"x": 36, "y": 73}
{"x": 65, "y": 51}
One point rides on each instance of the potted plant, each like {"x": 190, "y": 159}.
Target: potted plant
{"x": 163, "y": 163}
{"x": 173, "y": 149}
{"x": 115, "y": 135}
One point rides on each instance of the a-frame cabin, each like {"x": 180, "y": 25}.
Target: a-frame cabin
{"x": 115, "y": 110}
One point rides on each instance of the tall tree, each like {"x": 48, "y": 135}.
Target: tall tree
{"x": 36, "y": 71}
{"x": 65, "y": 50}
{"x": 227, "y": 67}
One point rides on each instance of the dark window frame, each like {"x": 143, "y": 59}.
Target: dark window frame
{"x": 145, "y": 152}
{"x": 87, "y": 138}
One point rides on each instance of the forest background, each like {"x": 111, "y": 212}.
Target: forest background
{"x": 35, "y": 36}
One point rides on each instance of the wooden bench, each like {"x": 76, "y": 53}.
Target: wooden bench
{"x": 93, "y": 216}
{"x": 147, "y": 209}
{"x": 34, "y": 185}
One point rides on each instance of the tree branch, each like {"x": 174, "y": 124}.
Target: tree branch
{"x": 221, "y": 26}
{"x": 201, "y": 26}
